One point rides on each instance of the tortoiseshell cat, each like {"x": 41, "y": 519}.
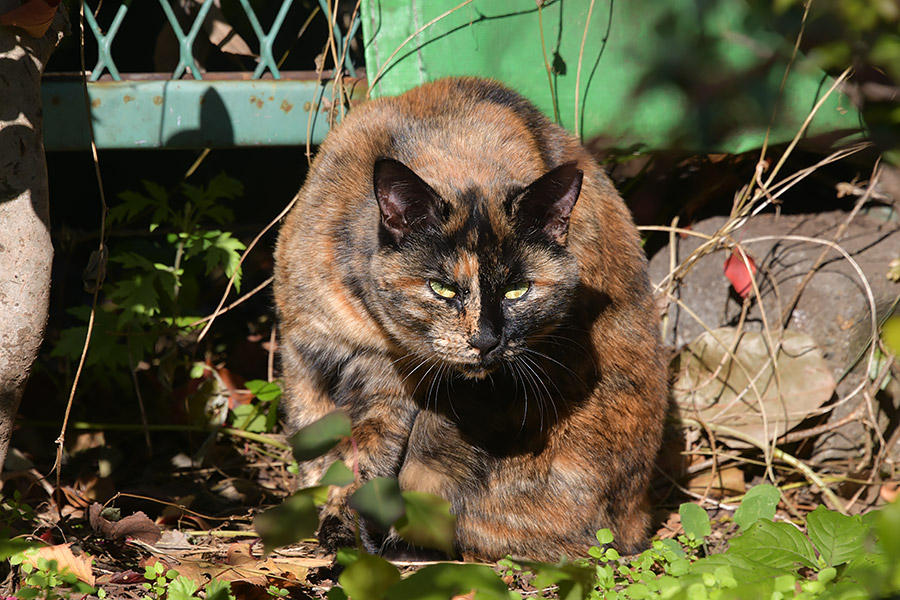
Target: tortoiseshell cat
{"x": 462, "y": 279}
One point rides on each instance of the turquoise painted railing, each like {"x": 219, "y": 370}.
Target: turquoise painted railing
{"x": 188, "y": 108}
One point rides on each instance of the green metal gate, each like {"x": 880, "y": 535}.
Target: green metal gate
{"x": 190, "y": 108}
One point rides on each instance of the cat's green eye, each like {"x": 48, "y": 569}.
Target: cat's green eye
{"x": 516, "y": 290}
{"x": 442, "y": 290}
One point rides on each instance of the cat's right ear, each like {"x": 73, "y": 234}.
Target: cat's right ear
{"x": 406, "y": 202}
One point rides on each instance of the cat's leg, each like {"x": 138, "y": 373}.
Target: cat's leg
{"x": 538, "y": 505}
{"x": 371, "y": 392}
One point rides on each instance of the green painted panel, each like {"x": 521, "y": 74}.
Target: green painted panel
{"x": 185, "y": 114}
{"x": 701, "y": 75}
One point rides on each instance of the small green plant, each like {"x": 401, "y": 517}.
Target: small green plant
{"x": 159, "y": 280}
{"x": 45, "y": 579}
{"x": 262, "y": 415}
{"x": 155, "y": 280}
{"x": 836, "y": 556}
{"x": 169, "y": 585}
{"x": 158, "y": 579}
{"x": 276, "y": 592}
{"x": 15, "y": 511}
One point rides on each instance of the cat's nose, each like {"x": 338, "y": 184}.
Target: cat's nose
{"x": 485, "y": 341}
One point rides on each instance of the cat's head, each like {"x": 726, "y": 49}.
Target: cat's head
{"x": 473, "y": 282}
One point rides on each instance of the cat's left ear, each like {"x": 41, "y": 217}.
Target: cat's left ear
{"x": 406, "y": 202}
{"x": 546, "y": 204}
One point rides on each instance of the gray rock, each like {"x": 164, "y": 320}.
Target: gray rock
{"x": 833, "y": 307}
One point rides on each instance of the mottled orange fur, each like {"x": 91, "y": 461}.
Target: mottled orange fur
{"x": 538, "y": 417}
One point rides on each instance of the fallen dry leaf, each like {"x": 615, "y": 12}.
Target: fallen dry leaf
{"x": 172, "y": 539}
{"x": 254, "y": 572}
{"x": 137, "y": 525}
{"x": 726, "y": 377}
{"x": 239, "y": 554}
{"x": 728, "y": 481}
{"x": 80, "y": 566}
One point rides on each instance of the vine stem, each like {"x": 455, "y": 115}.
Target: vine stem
{"x": 540, "y": 6}
{"x": 101, "y": 254}
{"x": 587, "y": 24}
{"x": 384, "y": 65}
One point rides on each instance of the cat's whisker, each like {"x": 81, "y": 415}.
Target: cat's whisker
{"x": 530, "y": 377}
{"x": 561, "y": 341}
{"x": 424, "y": 377}
{"x": 553, "y": 360}
{"x": 514, "y": 368}
{"x": 448, "y": 383}
{"x": 434, "y": 387}
{"x": 538, "y": 370}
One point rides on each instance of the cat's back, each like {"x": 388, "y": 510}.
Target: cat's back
{"x": 455, "y": 133}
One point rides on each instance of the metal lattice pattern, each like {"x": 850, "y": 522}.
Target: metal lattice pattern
{"x": 186, "y": 62}
{"x": 192, "y": 108}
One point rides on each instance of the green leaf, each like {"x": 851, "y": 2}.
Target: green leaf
{"x": 368, "y": 578}
{"x": 778, "y": 545}
{"x": 887, "y": 528}
{"x": 638, "y": 591}
{"x": 347, "y": 556}
{"x": 745, "y": 571}
{"x": 890, "y": 334}
{"x": 605, "y": 536}
{"x": 296, "y": 518}
{"x": 838, "y": 538}
{"x": 218, "y": 589}
{"x": 672, "y": 547}
{"x": 319, "y": 437}
{"x": 157, "y": 192}
{"x": 132, "y": 260}
{"x": 694, "y": 520}
{"x": 131, "y": 206}
{"x": 158, "y": 218}
{"x": 427, "y": 521}
{"x": 193, "y": 193}
{"x": 338, "y": 474}
{"x": 867, "y": 568}
{"x": 379, "y": 501}
{"x": 225, "y": 251}
{"x": 447, "y": 580}
{"x": 137, "y": 295}
{"x": 224, "y": 187}
{"x": 220, "y": 214}
{"x": 12, "y": 547}
{"x": 182, "y": 588}
{"x": 265, "y": 391}
{"x": 759, "y": 503}
{"x": 336, "y": 593}
{"x": 104, "y": 347}
{"x": 575, "y": 582}
{"x": 248, "y": 417}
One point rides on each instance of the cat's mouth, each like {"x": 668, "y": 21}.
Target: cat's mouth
{"x": 477, "y": 371}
